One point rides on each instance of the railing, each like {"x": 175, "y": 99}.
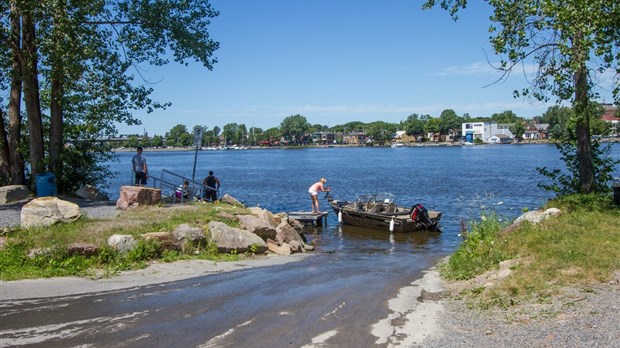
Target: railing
{"x": 170, "y": 183}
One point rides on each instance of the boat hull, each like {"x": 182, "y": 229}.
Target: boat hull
{"x": 402, "y": 222}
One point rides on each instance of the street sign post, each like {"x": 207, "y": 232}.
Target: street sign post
{"x": 198, "y": 136}
{"x": 197, "y": 143}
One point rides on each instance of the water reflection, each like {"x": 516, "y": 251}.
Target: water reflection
{"x": 353, "y": 239}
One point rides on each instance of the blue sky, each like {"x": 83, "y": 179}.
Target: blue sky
{"x": 335, "y": 62}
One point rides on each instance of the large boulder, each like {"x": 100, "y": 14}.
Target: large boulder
{"x": 265, "y": 215}
{"x": 185, "y": 234}
{"x": 229, "y": 239}
{"x": 46, "y": 211}
{"x": 257, "y": 226}
{"x": 285, "y": 233}
{"x": 255, "y": 210}
{"x": 134, "y": 196}
{"x": 284, "y": 249}
{"x": 537, "y": 216}
{"x": 13, "y": 193}
{"x": 230, "y": 200}
{"x": 92, "y": 193}
{"x": 268, "y": 218}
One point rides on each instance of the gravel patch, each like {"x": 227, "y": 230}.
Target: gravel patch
{"x": 578, "y": 317}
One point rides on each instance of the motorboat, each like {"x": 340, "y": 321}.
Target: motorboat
{"x": 380, "y": 211}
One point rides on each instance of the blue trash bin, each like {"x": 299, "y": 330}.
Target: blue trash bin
{"x": 46, "y": 184}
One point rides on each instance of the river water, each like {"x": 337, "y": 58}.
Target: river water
{"x": 460, "y": 181}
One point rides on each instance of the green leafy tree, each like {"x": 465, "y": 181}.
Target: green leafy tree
{"x": 230, "y": 132}
{"x": 242, "y": 134}
{"x": 449, "y": 121}
{"x": 414, "y": 125}
{"x": 381, "y": 132}
{"x": 597, "y": 125}
{"x": 158, "y": 141}
{"x": 432, "y": 125}
{"x": 185, "y": 140}
{"x": 177, "y": 135}
{"x": 74, "y": 64}
{"x": 506, "y": 117}
{"x": 205, "y": 137}
{"x": 570, "y": 42}
{"x": 349, "y": 127}
{"x": 294, "y": 128}
{"x": 272, "y": 135}
{"x": 132, "y": 141}
{"x": 255, "y": 135}
{"x": 518, "y": 129}
{"x": 558, "y": 118}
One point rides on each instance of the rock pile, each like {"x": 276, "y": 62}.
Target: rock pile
{"x": 259, "y": 231}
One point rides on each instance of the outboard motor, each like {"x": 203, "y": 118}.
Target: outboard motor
{"x": 420, "y": 214}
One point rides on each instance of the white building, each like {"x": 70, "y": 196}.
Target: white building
{"x": 488, "y": 132}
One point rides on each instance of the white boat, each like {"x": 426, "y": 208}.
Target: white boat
{"x": 397, "y": 145}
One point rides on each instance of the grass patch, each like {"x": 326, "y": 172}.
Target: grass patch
{"x": 578, "y": 248}
{"x": 479, "y": 251}
{"x": 42, "y": 251}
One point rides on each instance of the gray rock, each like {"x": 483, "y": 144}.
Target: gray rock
{"x": 186, "y": 233}
{"x": 230, "y": 200}
{"x": 13, "y": 193}
{"x": 92, "y": 193}
{"x": 268, "y": 218}
{"x": 285, "y": 233}
{"x": 256, "y": 210}
{"x": 229, "y": 239}
{"x": 296, "y": 224}
{"x": 46, "y": 211}
{"x": 284, "y": 249}
{"x": 122, "y": 242}
{"x": 537, "y": 216}
{"x": 257, "y": 226}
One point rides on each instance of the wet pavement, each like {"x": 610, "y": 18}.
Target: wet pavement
{"x": 322, "y": 300}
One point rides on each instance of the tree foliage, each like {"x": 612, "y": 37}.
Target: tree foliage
{"x": 449, "y": 121}
{"x": 76, "y": 65}
{"x": 294, "y": 127}
{"x": 571, "y": 44}
{"x": 380, "y": 132}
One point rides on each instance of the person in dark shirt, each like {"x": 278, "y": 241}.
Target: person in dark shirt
{"x": 211, "y": 185}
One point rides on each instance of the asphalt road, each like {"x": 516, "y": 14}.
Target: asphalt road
{"x": 323, "y": 300}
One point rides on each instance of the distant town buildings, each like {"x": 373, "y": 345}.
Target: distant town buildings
{"x": 487, "y": 132}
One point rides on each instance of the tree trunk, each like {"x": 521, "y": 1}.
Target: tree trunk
{"x": 16, "y": 162}
{"x": 31, "y": 96}
{"x": 4, "y": 154}
{"x": 56, "y": 131}
{"x": 57, "y": 99}
{"x": 584, "y": 145}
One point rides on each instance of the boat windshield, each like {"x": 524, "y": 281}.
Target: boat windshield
{"x": 375, "y": 198}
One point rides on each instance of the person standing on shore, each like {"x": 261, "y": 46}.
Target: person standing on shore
{"x": 314, "y": 194}
{"x": 212, "y": 185}
{"x": 139, "y": 167}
